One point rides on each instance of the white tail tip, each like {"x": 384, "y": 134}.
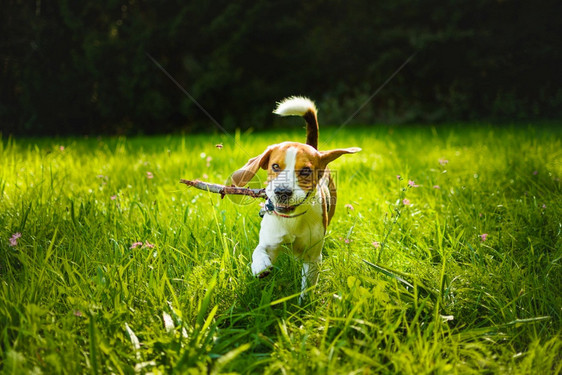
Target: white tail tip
{"x": 295, "y": 106}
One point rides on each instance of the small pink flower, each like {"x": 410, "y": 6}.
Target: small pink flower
{"x": 406, "y": 202}
{"x": 535, "y": 173}
{"x": 347, "y": 240}
{"x": 436, "y": 187}
{"x": 209, "y": 158}
{"x": 411, "y": 183}
{"x": 113, "y": 197}
{"x": 149, "y": 175}
{"x": 348, "y": 206}
{"x": 483, "y": 236}
{"x": 443, "y": 161}
{"x": 219, "y": 146}
{"x": 149, "y": 245}
{"x": 376, "y": 244}
{"x": 135, "y": 245}
{"x": 78, "y": 313}
{"x": 544, "y": 205}
{"x": 398, "y": 177}
{"x": 61, "y": 148}
{"x": 14, "y": 239}
{"x": 205, "y": 176}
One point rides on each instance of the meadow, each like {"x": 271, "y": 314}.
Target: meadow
{"x": 444, "y": 256}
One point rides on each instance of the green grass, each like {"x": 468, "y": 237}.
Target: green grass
{"x": 432, "y": 298}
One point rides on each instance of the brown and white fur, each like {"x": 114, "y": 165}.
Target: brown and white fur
{"x": 301, "y": 195}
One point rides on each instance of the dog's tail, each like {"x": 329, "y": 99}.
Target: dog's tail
{"x": 301, "y": 106}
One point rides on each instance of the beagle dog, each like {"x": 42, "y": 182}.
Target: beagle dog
{"x": 301, "y": 195}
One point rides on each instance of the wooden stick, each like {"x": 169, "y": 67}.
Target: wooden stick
{"x": 223, "y": 190}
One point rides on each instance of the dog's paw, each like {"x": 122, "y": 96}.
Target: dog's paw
{"x": 264, "y": 273}
{"x": 261, "y": 267}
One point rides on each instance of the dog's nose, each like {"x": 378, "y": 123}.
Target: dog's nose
{"x": 283, "y": 192}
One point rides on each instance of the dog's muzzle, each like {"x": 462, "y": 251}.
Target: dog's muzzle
{"x": 284, "y": 202}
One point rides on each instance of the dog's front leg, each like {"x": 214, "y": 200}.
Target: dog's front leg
{"x": 310, "y": 270}
{"x": 262, "y": 261}
{"x": 271, "y": 239}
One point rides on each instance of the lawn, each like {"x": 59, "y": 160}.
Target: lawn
{"x": 444, "y": 256}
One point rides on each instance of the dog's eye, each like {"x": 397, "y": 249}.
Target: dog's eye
{"x": 275, "y": 167}
{"x": 305, "y": 172}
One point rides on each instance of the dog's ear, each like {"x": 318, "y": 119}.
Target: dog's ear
{"x": 331, "y": 155}
{"x": 242, "y": 176}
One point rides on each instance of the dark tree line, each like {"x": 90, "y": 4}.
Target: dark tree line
{"x": 75, "y": 67}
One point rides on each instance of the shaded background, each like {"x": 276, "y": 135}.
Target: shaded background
{"x": 81, "y": 67}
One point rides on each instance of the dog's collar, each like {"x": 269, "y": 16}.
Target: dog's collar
{"x": 289, "y": 216}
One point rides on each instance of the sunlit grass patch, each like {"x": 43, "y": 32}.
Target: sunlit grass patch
{"x": 444, "y": 256}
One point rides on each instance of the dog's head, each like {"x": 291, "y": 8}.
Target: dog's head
{"x": 293, "y": 171}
